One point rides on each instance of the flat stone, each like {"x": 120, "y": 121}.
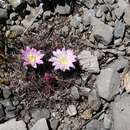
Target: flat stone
{"x": 40, "y": 125}
{"x": 119, "y": 64}
{"x": 3, "y": 15}
{"x": 102, "y": 32}
{"x": 71, "y": 110}
{"x": 54, "y": 124}
{"x": 94, "y": 101}
{"x": 108, "y": 83}
{"x": 93, "y": 125}
{"x": 40, "y": 113}
{"x": 13, "y": 125}
{"x": 63, "y": 10}
{"x": 121, "y": 113}
{"x": 119, "y": 29}
{"x": 75, "y": 93}
{"x": 107, "y": 122}
{"x": 89, "y": 62}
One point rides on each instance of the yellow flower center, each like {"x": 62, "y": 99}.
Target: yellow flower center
{"x": 63, "y": 60}
{"x": 32, "y": 58}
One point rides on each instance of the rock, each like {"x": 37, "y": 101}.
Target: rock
{"x": 108, "y": 83}
{"x": 3, "y": 15}
{"x": 87, "y": 15}
{"x": 102, "y": 32}
{"x": 94, "y": 101}
{"x": 14, "y": 16}
{"x": 6, "y": 92}
{"x": 93, "y": 125}
{"x": 54, "y": 124}
{"x": 84, "y": 91}
{"x": 119, "y": 29}
{"x": 121, "y": 113}
{"x": 13, "y": 125}
{"x": 2, "y": 113}
{"x": 119, "y": 64}
{"x": 15, "y": 31}
{"x": 107, "y": 122}
{"x": 99, "y": 12}
{"x": 88, "y": 62}
{"x": 40, "y": 125}
{"x": 40, "y": 113}
{"x": 119, "y": 12}
{"x": 75, "y": 21}
{"x": 47, "y": 14}
{"x": 71, "y": 110}
{"x": 10, "y": 112}
{"x": 16, "y": 3}
{"x": 63, "y": 10}
{"x": 125, "y": 6}
{"x": 75, "y": 93}
{"x": 65, "y": 31}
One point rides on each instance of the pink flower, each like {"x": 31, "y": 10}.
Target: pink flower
{"x": 63, "y": 59}
{"x": 32, "y": 57}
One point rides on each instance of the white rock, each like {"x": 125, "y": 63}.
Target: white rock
{"x": 88, "y": 61}
{"x": 108, "y": 83}
{"x": 66, "y": 9}
{"x": 13, "y": 125}
{"x": 71, "y": 110}
{"x": 40, "y": 125}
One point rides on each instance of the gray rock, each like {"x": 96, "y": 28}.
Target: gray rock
{"x": 87, "y": 15}
{"x": 119, "y": 64}
{"x": 16, "y": 3}
{"x": 63, "y": 10}
{"x": 6, "y": 92}
{"x": 13, "y": 125}
{"x": 2, "y": 113}
{"x": 99, "y": 13}
{"x": 93, "y": 125}
{"x": 119, "y": 29}
{"x": 75, "y": 21}
{"x": 40, "y": 125}
{"x": 3, "y": 15}
{"x": 10, "y": 112}
{"x": 125, "y": 6}
{"x": 108, "y": 83}
{"x": 88, "y": 61}
{"x": 119, "y": 12}
{"x": 65, "y": 31}
{"x": 84, "y": 91}
{"x": 107, "y": 122}
{"x": 71, "y": 110}
{"x": 121, "y": 113}
{"x": 75, "y": 93}
{"x": 102, "y": 32}
{"x": 94, "y": 101}
{"x": 54, "y": 124}
{"x": 40, "y": 113}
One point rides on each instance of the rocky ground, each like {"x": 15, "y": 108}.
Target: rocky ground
{"x": 94, "y": 96}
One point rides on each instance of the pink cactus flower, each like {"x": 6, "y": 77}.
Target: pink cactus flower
{"x": 63, "y": 59}
{"x": 32, "y": 57}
